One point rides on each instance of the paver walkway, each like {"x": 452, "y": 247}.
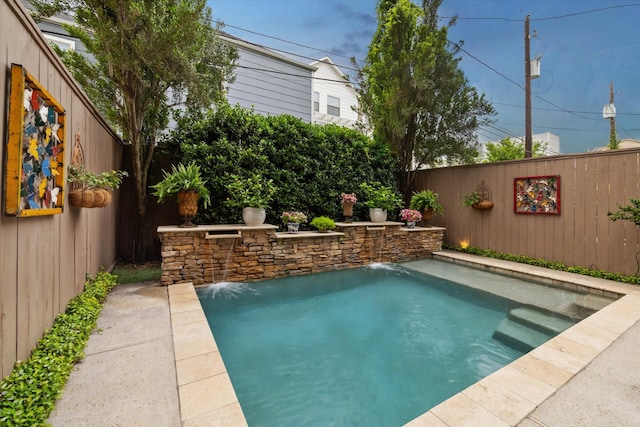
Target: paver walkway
{"x": 128, "y": 377}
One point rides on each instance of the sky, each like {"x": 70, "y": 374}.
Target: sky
{"x": 585, "y": 45}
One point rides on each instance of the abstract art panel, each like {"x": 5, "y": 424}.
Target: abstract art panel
{"x": 34, "y": 170}
{"x": 537, "y": 195}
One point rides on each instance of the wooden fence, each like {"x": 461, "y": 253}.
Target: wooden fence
{"x": 591, "y": 185}
{"x": 44, "y": 259}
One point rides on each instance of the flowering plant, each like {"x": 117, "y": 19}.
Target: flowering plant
{"x": 348, "y": 198}
{"x": 410, "y": 215}
{"x": 293, "y": 217}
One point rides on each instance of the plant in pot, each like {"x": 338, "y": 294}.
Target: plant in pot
{"x": 347, "y": 200}
{"x": 324, "y": 224}
{"x": 411, "y": 216}
{"x": 379, "y": 200}
{"x": 91, "y": 190}
{"x": 476, "y": 201}
{"x": 252, "y": 195}
{"x": 293, "y": 219}
{"x": 426, "y": 202}
{"x": 186, "y": 182}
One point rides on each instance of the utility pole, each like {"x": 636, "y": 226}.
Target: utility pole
{"x": 527, "y": 90}
{"x": 609, "y": 112}
{"x": 613, "y": 137}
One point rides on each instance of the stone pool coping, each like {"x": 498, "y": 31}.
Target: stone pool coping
{"x": 504, "y": 398}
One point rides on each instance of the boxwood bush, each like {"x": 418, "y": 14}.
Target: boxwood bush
{"x": 28, "y": 394}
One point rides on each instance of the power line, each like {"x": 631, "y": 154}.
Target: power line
{"x": 564, "y": 111}
{"x": 293, "y": 43}
{"x": 283, "y": 73}
{"x": 569, "y": 15}
{"x": 485, "y": 64}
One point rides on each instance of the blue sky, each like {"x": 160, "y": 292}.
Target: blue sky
{"x": 585, "y": 44}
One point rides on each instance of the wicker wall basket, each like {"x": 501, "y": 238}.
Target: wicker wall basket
{"x": 89, "y": 197}
{"x": 79, "y": 195}
{"x": 483, "y": 205}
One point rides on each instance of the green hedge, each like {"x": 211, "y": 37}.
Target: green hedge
{"x": 310, "y": 164}
{"x": 28, "y": 394}
{"x": 635, "y": 280}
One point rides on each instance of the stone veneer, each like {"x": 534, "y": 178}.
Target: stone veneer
{"x": 238, "y": 253}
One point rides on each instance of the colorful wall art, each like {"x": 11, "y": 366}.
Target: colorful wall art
{"x": 537, "y": 195}
{"x": 34, "y": 170}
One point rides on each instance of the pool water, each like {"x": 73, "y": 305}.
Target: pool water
{"x": 375, "y": 346}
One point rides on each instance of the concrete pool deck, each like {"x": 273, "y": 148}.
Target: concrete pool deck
{"x": 154, "y": 362}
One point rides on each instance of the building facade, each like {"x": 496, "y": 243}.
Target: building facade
{"x": 334, "y": 99}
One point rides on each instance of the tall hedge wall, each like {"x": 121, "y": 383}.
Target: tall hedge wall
{"x": 310, "y": 164}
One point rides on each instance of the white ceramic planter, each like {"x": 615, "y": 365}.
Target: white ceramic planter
{"x": 253, "y": 216}
{"x": 377, "y": 215}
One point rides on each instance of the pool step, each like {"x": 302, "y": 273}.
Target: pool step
{"x": 544, "y": 322}
{"x": 526, "y": 328}
{"x": 589, "y": 304}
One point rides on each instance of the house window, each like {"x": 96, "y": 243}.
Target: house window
{"x": 316, "y": 102}
{"x": 333, "y": 106}
{"x": 62, "y": 43}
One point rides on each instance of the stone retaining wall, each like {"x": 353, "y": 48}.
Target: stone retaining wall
{"x": 238, "y": 253}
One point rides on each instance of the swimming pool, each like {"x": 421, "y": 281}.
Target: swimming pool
{"x": 325, "y": 350}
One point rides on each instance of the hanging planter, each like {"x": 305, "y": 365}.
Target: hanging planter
{"x": 483, "y": 205}
{"x": 88, "y": 189}
{"x": 480, "y": 199}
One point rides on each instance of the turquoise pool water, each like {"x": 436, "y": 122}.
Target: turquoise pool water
{"x": 375, "y": 346}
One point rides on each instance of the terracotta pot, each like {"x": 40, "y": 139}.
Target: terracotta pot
{"x": 428, "y": 214}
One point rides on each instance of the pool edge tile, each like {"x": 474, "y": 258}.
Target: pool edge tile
{"x": 199, "y": 366}
{"x": 460, "y": 410}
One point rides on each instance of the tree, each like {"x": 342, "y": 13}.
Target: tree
{"x": 149, "y": 56}
{"x": 511, "y": 149}
{"x": 413, "y": 92}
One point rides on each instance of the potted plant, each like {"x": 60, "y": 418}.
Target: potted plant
{"x": 411, "y": 216}
{"x": 476, "y": 201}
{"x": 347, "y": 200}
{"x": 91, "y": 190}
{"x": 293, "y": 219}
{"x": 324, "y": 224}
{"x": 379, "y": 200}
{"x": 426, "y": 201}
{"x": 252, "y": 195}
{"x": 187, "y": 183}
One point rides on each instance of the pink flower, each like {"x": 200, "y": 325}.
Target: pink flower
{"x": 410, "y": 215}
{"x": 348, "y": 198}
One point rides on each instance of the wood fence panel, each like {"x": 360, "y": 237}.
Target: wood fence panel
{"x": 626, "y": 233}
{"x": 617, "y": 230}
{"x": 590, "y": 216}
{"x": 591, "y": 184}
{"x": 602, "y": 207}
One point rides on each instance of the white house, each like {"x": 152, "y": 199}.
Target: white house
{"x": 334, "y": 99}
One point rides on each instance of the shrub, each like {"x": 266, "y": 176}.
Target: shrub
{"x": 28, "y": 394}
{"x": 549, "y": 264}
{"x": 323, "y": 223}
{"x": 380, "y": 196}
